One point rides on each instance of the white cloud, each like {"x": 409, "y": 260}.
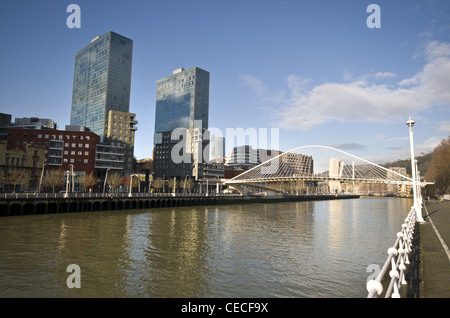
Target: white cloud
{"x": 351, "y": 146}
{"x": 254, "y": 83}
{"x": 381, "y": 75}
{"x": 444, "y": 126}
{"x": 364, "y": 100}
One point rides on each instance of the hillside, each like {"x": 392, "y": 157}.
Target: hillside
{"x": 423, "y": 164}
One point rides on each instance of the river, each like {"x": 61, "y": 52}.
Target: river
{"x": 312, "y": 249}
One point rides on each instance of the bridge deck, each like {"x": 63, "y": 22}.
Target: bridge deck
{"x": 435, "y": 257}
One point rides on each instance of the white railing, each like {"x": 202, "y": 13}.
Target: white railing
{"x": 396, "y": 261}
{"x": 109, "y": 195}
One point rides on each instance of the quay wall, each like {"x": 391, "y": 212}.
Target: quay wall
{"x": 31, "y": 206}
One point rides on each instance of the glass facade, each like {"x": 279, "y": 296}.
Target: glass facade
{"x": 182, "y": 101}
{"x": 102, "y": 81}
{"x": 182, "y": 98}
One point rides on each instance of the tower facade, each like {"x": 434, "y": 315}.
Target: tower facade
{"x": 182, "y": 104}
{"x": 101, "y": 81}
{"x": 101, "y": 95}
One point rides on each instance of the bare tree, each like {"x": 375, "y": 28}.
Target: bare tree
{"x": 54, "y": 178}
{"x": 88, "y": 181}
{"x": 16, "y": 176}
{"x": 114, "y": 180}
{"x": 157, "y": 184}
{"x": 172, "y": 184}
{"x": 439, "y": 169}
{"x": 186, "y": 184}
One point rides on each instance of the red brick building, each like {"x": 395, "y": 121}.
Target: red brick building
{"x": 63, "y": 147}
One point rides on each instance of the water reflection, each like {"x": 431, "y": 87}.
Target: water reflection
{"x": 292, "y": 249}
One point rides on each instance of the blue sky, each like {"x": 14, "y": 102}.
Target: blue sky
{"x": 312, "y": 69}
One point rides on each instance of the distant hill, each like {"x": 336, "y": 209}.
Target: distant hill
{"x": 423, "y": 163}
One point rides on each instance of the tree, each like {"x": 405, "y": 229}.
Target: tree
{"x": 114, "y": 180}
{"x": 439, "y": 169}
{"x": 172, "y": 184}
{"x": 157, "y": 184}
{"x": 16, "y": 176}
{"x": 88, "y": 181}
{"x": 54, "y": 178}
{"x": 186, "y": 184}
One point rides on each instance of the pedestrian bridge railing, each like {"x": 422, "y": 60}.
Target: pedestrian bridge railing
{"x": 396, "y": 261}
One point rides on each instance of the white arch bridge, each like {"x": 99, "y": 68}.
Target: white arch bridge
{"x": 310, "y": 168}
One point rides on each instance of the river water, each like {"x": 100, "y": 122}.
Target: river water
{"x": 283, "y": 250}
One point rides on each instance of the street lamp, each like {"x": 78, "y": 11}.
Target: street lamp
{"x": 131, "y": 185}
{"x": 106, "y": 177}
{"x": 73, "y": 177}
{"x": 67, "y": 184}
{"x": 42, "y": 175}
{"x": 410, "y": 123}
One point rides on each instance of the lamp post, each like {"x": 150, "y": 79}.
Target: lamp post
{"x": 42, "y": 176}
{"x": 131, "y": 185}
{"x": 67, "y": 184}
{"x": 106, "y": 177}
{"x": 410, "y": 123}
{"x": 73, "y": 177}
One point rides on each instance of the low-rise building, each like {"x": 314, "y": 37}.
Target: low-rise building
{"x": 20, "y": 167}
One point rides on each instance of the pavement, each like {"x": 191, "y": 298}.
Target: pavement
{"x": 431, "y": 258}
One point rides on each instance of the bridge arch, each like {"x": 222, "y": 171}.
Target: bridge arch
{"x": 317, "y": 163}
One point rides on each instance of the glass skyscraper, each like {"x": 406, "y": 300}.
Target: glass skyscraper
{"x": 182, "y": 101}
{"x": 101, "y": 81}
{"x": 182, "y": 98}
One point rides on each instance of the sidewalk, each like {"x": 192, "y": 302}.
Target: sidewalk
{"x": 434, "y": 247}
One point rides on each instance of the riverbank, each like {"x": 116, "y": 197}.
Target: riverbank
{"x": 30, "y": 206}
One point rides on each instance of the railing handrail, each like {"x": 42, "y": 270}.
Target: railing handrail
{"x": 113, "y": 195}
{"x": 397, "y": 260}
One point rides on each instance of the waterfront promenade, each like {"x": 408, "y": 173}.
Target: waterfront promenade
{"x": 435, "y": 257}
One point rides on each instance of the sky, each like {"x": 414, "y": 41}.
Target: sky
{"x": 305, "y": 72}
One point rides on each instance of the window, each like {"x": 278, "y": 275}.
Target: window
{"x": 74, "y": 145}
{"x": 72, "y": 160}
{"x": 86, "y": 153}
{"x": 86, "y": 161}
{"x": 72, "y": 153}
{"x": 39, "y": 135}
{"x": 46, "y": 136}
{"x": 80, "y": 153}
{"x": 87, "y": 137}
{"x": 86, "y": 146}
{"x": 66, "y": 144}
{"x": 66, "y": 152}
{"x": 80, "y": 145}
{"x": 65, "y": 160}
